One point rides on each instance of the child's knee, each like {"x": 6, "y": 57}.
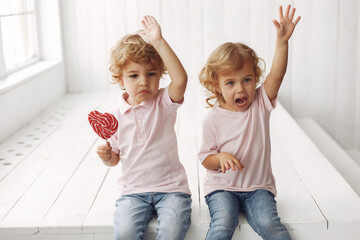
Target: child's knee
{"x": 174, "y": 226}
{"x": 126, "y": 231}
{"x": 271, "y": 228}
{"x": 174, "y": 216}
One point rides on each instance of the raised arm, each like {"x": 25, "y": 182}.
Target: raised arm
{"x": 152, "y": 35}
{"x": 284, "y": 29}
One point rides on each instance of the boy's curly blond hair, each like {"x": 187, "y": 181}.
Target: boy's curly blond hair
{"x": 133, "y": 48}
{"x": 227, "y": 58}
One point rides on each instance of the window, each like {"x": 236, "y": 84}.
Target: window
{"x": 18, "y": 35}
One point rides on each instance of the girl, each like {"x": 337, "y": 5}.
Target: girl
{"x": 236, "y": 136}
{"x": 152, "y": 179}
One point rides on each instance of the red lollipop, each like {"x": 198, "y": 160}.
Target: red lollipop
{"x": 105, "y": 125}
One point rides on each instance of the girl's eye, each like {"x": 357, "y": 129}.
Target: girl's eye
{"x": 230, "y": 83}
{"x": 152, "y": 74}
{"x": 247, "y": 79}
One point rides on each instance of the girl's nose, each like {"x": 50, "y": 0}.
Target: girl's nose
{"x": 240, "y": 88}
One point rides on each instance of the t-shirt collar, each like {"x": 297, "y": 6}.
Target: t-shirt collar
{"x": 124, "y": 106}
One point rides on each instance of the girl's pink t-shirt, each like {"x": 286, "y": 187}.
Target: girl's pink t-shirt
{"x": 147, "y": 145}
{"x": 246, "y": 136}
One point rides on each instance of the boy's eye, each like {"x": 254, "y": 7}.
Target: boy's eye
{"x": 152, "y": 74}
{"x": 247, "y": 79}
{"x": 133, "y": 75}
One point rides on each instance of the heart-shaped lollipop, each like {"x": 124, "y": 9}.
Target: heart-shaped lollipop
{"x": 104, "y": 124}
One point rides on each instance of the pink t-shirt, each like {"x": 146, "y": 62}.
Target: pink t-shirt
{"x": 147, "y": 145}
{"x": 246, "y": 136}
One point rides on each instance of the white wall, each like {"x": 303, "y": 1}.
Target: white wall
{"x": 23, "y": 95}
{"x": 322, "y": 80}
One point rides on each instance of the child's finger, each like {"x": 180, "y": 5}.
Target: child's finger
{"x": 287, "y": 11}
{"x": 292, "y": 13}
{"x": 151, "y": 19}
{"x": 222, "y": 168}
{"x": 232, "y": 165}
{"x": 227, "y": 166}
{"x": 146, "y": 19}
{"x": 239, "y": 165}
{"x": 143, "y": 24}
{"x": 276, "y": 23}
{"x": 280, "y": 13}
{"x": 154, "y": 20}
{"x": 297, "y": 20}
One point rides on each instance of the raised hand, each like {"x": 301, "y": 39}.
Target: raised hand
{"x": 286, "y": 25}
{"x": 151, "y": 30}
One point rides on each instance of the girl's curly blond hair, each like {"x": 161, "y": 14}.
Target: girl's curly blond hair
{"x": 133, "y": 48}
{"x": 227, "y": 58}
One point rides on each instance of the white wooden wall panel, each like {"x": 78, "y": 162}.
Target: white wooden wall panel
{"x": 70, "y": 44}
{"x": 213, "y": 26}
{"x": 346, "y": 76}
{"x": 83, "y": 52}
{"x": 357, "y": 84}
{"x": 324, "y": 36}
{"x": 299, "y": 96}
{"x": 236, "y": 21}
{"x": 322, "y": 80}
{"x": 98, "y": 46}
{"x": 132, "y": 16}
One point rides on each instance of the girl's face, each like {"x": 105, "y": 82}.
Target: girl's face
{"x": 141, "y": 82}
{"x": 238, "y": 88}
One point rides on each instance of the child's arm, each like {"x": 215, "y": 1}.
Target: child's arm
{"x": 108, "y": 157}
{"x": 152, "y": 35}
{"x": 284, "y": 30}
{"x": 222, "y": 160}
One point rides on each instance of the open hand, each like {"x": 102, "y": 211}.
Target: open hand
{"x": 286, "y": 25}
{"x": 151, "y": 30}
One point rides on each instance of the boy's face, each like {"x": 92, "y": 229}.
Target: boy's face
{"x": 238, "y": 88}
{"x": 141, "y": 82}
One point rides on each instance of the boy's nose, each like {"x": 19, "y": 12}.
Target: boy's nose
{"x": 143, "y": 81}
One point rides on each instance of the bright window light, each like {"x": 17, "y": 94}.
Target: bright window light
{"x": 18, "y": 32}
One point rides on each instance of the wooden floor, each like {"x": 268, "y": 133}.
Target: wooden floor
{"x": 53, "y": 185}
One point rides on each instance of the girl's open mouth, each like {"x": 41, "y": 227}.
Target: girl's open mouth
{"x": 241, "y": 101}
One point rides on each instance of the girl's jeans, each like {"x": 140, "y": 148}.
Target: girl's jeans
{"x": 258, "y": 206}
{"x": 134, "y": 211}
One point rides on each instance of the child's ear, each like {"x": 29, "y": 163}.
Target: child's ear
{"x": 121, "y": 83}
{"x": 217, "y": 88}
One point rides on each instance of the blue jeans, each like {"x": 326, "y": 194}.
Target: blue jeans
{"x": 134, "y": 211}
{"x": 258, "y": 206}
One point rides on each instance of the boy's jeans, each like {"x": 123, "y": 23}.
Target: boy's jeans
{"x": 134, "y": 211}
{"x": 258, "y": 206}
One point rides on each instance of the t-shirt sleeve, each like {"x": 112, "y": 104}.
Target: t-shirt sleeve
{"x": 208, "y": 142}
{"x": 167, "y": 102}
{"x": 264, "y": 99}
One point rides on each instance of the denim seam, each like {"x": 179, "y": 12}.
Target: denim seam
{"x": 146, "y": 222}
{"x": 253, "y": 222}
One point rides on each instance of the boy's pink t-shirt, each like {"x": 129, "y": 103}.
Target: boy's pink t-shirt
{"x": 147, "y": 145}
{"x": 246, "y": 136}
